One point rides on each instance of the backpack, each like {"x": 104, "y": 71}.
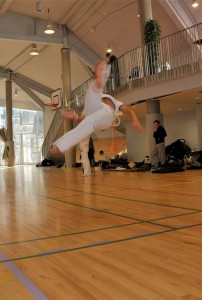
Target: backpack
{"x": 178, "y": 149}
{"x": 47, "y": 163}
{"x": 199, "y": 159}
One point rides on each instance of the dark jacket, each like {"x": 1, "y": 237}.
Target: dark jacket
{"x": 159, "y": 135}
{"x": 113, "y": 61}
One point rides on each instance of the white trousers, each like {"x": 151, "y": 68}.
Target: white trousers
{"x": 98, "y": 115}
{"x": 84, "y": 148}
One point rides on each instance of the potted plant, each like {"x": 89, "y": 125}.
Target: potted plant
{"x": 152, "y": 35}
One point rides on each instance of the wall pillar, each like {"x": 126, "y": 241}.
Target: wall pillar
{"x": 153, "y": 113}
{"x": 199, "y": 124}
{"x": 145, "y": 13}
{"x": 70, "y": 156}
{"x": 10, "y": 143}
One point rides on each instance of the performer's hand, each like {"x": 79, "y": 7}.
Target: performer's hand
{"x": 69, "y": 114}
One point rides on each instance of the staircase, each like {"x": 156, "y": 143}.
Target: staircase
{"x": 54, "y": 132}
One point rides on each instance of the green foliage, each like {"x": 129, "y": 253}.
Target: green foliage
{"x": 152, "y": 31}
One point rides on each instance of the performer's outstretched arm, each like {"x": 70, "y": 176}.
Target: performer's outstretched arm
{"x": 70, "y": 114}
{"x": 132, "y": 115}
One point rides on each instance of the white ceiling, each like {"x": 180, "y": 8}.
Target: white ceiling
{"x": 93, "y": 22}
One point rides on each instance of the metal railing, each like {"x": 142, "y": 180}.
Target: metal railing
{"x": 52, "y": 134}
{"x": 174, "y": 56}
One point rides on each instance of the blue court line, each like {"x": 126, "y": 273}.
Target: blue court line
{"x": 192, "y": 210}
{"x": 50, "y": 251}
{"x": 36, "y": 293}
{"x": 141, "y": 234}
{"x": 180, "y": 227}
{"x": 120, "y": 198}
{"x": 112, "y": 213}
{"x": 70, "y": 234}
{"x": 99, "y": 244}
{"x": 152, "y": 222}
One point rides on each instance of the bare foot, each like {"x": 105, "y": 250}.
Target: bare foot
{"x": 88, "y": 174}
{"x": 100, "y": 71}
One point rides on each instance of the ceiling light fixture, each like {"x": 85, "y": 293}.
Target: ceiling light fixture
{"x": 39, "y": 7}
{"x": 34, "y": 50}
{"x": 195, "y": 3}
{"x": 92, "y": 29}
{"x": 109, "y": 49}
{"x": 49, "y": 28}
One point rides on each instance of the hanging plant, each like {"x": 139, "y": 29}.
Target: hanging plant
{"x": 152, "y": 31}
{"x": 152, "y": 35}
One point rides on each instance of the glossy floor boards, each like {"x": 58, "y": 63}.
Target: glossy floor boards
{"x": 112, "y": 236}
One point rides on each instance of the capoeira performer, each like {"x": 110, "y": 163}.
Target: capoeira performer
{"x": 100, "y": 112}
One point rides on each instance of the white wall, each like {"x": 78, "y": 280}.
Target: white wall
{"x": 48, "y": 118}
{"x": 182, "y": 125}
{"x": 137, "y": 143}
{"x": 21, "y": 105}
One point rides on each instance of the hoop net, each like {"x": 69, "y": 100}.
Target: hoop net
{"x": 53, "y": 105}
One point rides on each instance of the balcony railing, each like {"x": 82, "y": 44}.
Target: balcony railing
{"x": 176, "y": 55}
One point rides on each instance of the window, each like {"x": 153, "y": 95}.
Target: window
{"x": 28, "y": 135}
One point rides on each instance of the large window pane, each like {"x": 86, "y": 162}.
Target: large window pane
{"x": 16, "y": 112}
{"x": 28, "y": 135}
{"x": 27, "y": 128}
{"x": 17, "y": 145}
{"x": 30, "y": 149}
{"x": 28, "y": 116}
{"x": 16, "y": 125}
{"x": 2, "y": 145}
{"x": 40, "y": 127}
{"x": 2, "y": 117}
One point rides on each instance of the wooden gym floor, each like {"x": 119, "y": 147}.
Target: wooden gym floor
{"x": 112, "y": 236}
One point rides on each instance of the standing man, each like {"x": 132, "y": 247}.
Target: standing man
{"x": 158, "y": 156}
{"x": 113, "y": 61}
